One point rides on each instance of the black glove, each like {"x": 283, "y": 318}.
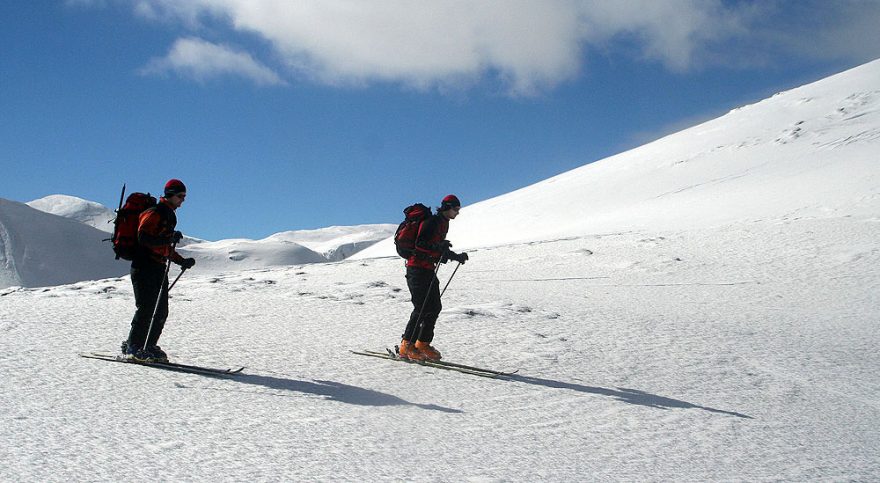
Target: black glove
{"x": 187, "y": 263}
{"x": 444, "y": 246}
{"x": 176, "y": 236}
{"x": 460, "y": 257}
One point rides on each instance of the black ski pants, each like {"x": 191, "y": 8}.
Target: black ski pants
{"x": 424, "y": 288}
{"x": 148, "y": 281}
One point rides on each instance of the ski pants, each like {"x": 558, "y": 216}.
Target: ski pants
{"x": 148, "y": 282}
{"x": 424, "y": 289}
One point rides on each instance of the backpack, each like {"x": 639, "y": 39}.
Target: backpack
{"x": 125, "y": 226}
{"x": 408, "y": 230}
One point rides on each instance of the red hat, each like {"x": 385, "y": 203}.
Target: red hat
{"x": 450, "y": 201}
{"x": 174, "y": 186}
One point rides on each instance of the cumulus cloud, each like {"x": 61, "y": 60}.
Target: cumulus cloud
{"x": 526, "y": 45}
{"x": 202, "y": 60}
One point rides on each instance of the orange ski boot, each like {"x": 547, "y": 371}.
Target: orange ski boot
{"x": 430, "y": 352}
{"x": 409, "y": 351}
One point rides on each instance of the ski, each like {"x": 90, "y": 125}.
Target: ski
{"x": 389, "y": 357}
{"x": 394, "y": 353}
{"x": 436, "y": 364}
{"x": 171, "y": 366}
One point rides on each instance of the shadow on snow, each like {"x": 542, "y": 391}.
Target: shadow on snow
{"x": 334, "y": 391}
{"x": 631, "y": 396}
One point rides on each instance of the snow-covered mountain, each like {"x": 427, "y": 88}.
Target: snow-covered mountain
{"x": 245, "y": 254}
{"x": 93, "y": 214}
{"x": 40, "y": 249}
{"x": 337, "y": 242}
{"x": 286, "y": 248}
{"x": 702, "y": 308}
{"x": 808, "y": 152}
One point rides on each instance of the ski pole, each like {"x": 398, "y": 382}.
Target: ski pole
{"x": 417, "y": 332}
{"x": 159, "y": 298}
{"x": 450, "y": 280}
{"x": 176, "y": 279}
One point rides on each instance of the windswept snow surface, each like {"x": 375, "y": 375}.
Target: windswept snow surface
{"x": 711, "y": 317}
{"x": 744, "y": 352}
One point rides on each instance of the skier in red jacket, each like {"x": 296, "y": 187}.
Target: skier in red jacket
{"x": 157, "y": 236}
{"x": 432, "y": 248}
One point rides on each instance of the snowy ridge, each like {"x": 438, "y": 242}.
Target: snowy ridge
{"x": 244, "y": 254}
{"x": 807, "y": 152}
{"x": 286, "y": 248}
{"x": 93, "y": 214}
{"x": 338, "y": 242}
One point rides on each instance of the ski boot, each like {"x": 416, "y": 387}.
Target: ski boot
{"x": 429, "y": 351}
{"x": 408, "y": 350}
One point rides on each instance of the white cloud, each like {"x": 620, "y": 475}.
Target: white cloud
{"x": 529, "y": 45}
{"x": 201, "y": 60}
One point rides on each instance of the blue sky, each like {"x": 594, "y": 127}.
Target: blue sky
{"x": 282, "y": 115}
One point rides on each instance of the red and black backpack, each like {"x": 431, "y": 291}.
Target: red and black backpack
{"x": 125, "y": 226}
{"x": 408, "y": 230}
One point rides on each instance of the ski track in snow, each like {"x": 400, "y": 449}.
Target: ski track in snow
{"x": 745, "y": 351}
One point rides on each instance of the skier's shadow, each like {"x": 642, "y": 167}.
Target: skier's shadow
{"x": 631, "y": 396}
{"x": 334, "y": 391}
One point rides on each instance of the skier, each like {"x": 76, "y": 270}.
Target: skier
{"x": 157, "y": 237}
{"x": 431, "y": 249}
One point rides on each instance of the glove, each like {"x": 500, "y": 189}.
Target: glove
{"x": 176, "y": 236}
{"x": 460, "y": 257}
{"x": 188, "y": 263}
{"x": 444, "y": 246}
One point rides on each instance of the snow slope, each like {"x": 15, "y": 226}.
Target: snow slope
{"x": 93, "y": 214}
{"x": 338, "y": 242}
{"x": 39, "y": 249}
{"x": 811, "y": 151}
{"x": 244, "y": 254}
{"x": 714, "y": 326}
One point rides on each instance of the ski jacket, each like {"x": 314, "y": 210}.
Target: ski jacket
{"x": 427, "y": 253}
{"x": 155, "y": 227}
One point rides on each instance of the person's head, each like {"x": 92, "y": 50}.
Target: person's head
{"x": 175, "y": 192}
{"x": 449, "y": 207}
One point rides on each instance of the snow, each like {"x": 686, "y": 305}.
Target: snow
{"x": 807, "y": 152}
{"x": 701, "y": 308}
{"x": 286, "y": 248}
{"x": 88, "y": 212}
{"x": 249, "y": 254}
{"x": 38, "y": 261}
{"x": 338, "y": 242}
{"x": 39, "y": 249}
